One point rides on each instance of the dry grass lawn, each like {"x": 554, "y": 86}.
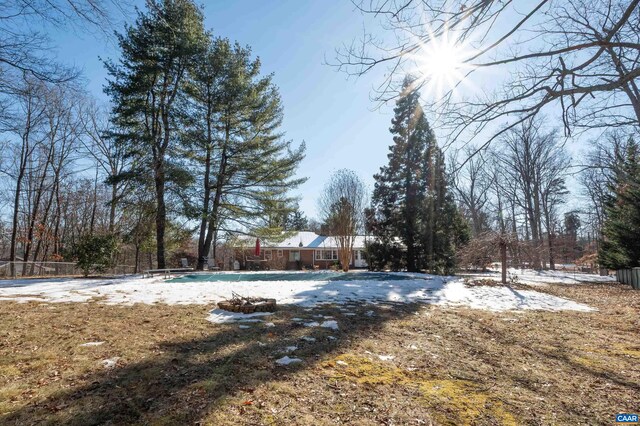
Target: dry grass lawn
{"x": 452, "y": 366}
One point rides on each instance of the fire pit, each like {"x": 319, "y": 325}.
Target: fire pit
{"x": 248, "y": 305}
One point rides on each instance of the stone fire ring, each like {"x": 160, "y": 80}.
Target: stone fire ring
{"x": 267, "y": 305}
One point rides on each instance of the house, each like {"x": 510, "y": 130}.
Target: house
{"x": 303, "y": 250}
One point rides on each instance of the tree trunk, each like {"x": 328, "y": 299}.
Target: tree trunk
{"x": 213, "y": 218}
{"x": 25, "y": 153}
{"x": 94, "y": 207}
{"x": 161, "y": 213}
{"x": 344, "y": 252}
{"x": 214, "y": 247}
{"x": 16, "y": 212}
{"x": 112, "y": 207}
{"x": 36, "y": 208}
{"x": 43, "y": 222}
{"x": 503, "y": 259}
{"x": 56, "y": 229}
{"x": 137, "y": 259}
{"x": 550, "y": 239}
{"x": 202, "y": 251}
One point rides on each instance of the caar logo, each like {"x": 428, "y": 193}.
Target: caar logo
{"x": 626, "y": 418}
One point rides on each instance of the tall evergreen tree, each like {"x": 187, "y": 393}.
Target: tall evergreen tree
{"x": 145, "y": 85}
{"x": 411, "y": 193}
{"x": 248, "y": 169}
{"x": 621, "y": 231}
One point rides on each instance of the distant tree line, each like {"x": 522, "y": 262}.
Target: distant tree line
{"x": 575, "y": 68}
{"x": 518, "y": 190}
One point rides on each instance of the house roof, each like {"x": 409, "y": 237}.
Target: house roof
{"x": 308, "y": 239}
{"x": 311, "y": 240}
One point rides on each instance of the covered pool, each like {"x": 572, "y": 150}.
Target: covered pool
{"x": 294, "y": 276}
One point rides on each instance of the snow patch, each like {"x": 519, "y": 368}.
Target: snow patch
{"x": 332, "y": 324}
{"x": 541, "y": 278}
{"x": 503, "y": 299}
{"x": 111, "y": 362}
{"x": 218, "y": 316}
{"x": 386, "y": 357}
{"x": 285, "y": 360}
{"x": 413, "y": 288}
{"x": 88, "y": 344}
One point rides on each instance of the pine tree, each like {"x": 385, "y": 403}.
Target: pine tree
{"x": 295, "y": 220}
{"x": 145, "y": 86}
{"x": 620, "y": 247}
{"x": 411, "y": 200}
{"x": 247, "y": 167}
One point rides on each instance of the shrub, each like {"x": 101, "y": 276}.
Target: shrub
{"x": 95, "y": 253}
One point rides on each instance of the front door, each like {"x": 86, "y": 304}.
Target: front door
{"x": 359, "y": 262}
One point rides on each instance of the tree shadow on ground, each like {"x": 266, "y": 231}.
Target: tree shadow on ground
{"x": 185, "y": 380}
{"x": 538, "y": 364}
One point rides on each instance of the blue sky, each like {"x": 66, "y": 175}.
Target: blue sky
{"x": 331, "y": 113}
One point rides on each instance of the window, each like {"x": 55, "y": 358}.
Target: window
{"x": 279, "y": 254}
{"x": 294, "y": 255}
{"x": 326, "y": 254}
{"x": 267, "y": 254}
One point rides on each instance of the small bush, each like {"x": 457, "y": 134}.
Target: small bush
{"x": 95, "y": 253}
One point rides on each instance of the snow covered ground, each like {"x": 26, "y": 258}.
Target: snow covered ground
{"x": 420, "y": 288}
{"x": 532, "y": 277}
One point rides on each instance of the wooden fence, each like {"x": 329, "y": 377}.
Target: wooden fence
{"x": 629, "y": 276}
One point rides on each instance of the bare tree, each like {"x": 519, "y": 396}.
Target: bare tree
{"x": 24, "y": 47}
{"x": 62, "y": 128}
{"x": 25, "y": 122}
{"x": 579, "y": 56}
{"x": 109, "y": 155}
{"x": 483, "y": 248}
{"x": 535, "y": 161}
{"x": 341, "y": 206}
{"x": 42, "y": 129}
{"x": 472, "y": 184}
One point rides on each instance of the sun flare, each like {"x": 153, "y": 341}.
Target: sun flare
{"x": 440, "y": 64}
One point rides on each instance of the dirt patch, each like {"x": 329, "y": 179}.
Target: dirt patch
{"x": 387, "y": 364}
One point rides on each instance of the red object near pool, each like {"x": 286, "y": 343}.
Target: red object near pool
{"x": 257, "y": 246}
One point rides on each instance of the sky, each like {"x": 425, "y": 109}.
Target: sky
{"x": 331, "y": 113}
{"x": 295, "y": 40}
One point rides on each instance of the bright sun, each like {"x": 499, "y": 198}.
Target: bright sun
{"x": 440, "y": 64}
